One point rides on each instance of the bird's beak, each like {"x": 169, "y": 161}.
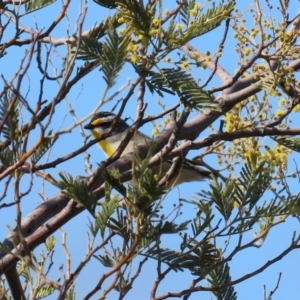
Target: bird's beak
{"x": 88, "y": 126}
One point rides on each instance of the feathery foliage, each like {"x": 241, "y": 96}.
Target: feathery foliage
{"x": 34, "y": 5}
{"x": 144, "y": 190}
{"x": 290, "y": 142}
{"x": 184, "y": 85}
{"x": 219, "y": 277}
{"x": 45, "y": 291}
{"x": 202, "y": 24}
{"x": 184, "y": 11}
{"x": 78, "y": 190}
{"x": 198, "y": 257}
{"x": 114, "y": 51}
{"x": 222, "y": 195}
{"x": 107, "y": 3}
{"x": 109, "y": 53}
{"x": 103, "y": 216}
{"x": 90, "y": 47}
{"x": 172, "y": 258}
{"x": 118, "y": 224}
{"x": 238, "y": 199}
{"x": 204, "y": 255}
{"x": 42, "y": 149}
{"x": 136, "y": 15}
{"x": 9, "y": 114}
{"x": 71, "y": 295}
{"x": 105, "y": 260}
{"x": 50, "y": 243}
{"x": 112, "y": 181}
{"x": 267, "y": 81}
{"x": 6, "y": 157}
{"x": 254, "y": 180}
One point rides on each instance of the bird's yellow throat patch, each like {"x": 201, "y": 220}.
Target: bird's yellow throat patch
{"x": 104, "y": 145}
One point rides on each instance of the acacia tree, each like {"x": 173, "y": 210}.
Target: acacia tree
{"x": 246, "y": 141}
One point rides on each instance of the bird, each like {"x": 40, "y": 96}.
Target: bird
{"x": 102, "y": 123}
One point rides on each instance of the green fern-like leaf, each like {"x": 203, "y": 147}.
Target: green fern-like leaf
{"x": 204, "y": 214}
{"x": 33, "y": 5}
{"x": 91, "y": 46}
{"x": 196, "y": 260}
{"x": 184, "y": 11}
{"x": 222, "y": 195}
{"x": 78, "y": 190}
{"x": 108, "y": 208}
{"x": 156, "y": 83}
{"x": 163, "y": 227}
{"x": 265, "y": 214}
{"x": 11, "y": 125}
{"x": 50, "y": 243}
{"x": 184, "y": 85}
{"x": 170, "y": 257}
{"x": 123, "y": 285}
{"x": 24, "y": 271}
{"x": 71, "y": 295}
{"x": 112, "y": 181}
{"x": 98, "y": 31}
{"x": 206, "y": 22}
{"x": 144, "y": 190}
{"x": 170, "y": 227}
{"x": 254, "y": 180}
{"x": 267, "y": 82}
{"x": 6, "y": 157}
{"x": 137, "y": 16}
{"x": 219, "y": 277}
{"x": 205, "y": 255}
{"x": 293, "y": 205}
{"x": 90, "y": 49}
{"x": 110, "y": 53}
{"x": 290, "y": 142}
{"x": 119, "y": 224}
{"x": 107, "y": 3}
{"x": 45, "y": 291}
{"x": 105, "y": 260}
{"x": 114, "y": 53}
{"x": 42, "y": 149}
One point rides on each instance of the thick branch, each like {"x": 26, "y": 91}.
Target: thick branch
{"x": 230, "y": 136}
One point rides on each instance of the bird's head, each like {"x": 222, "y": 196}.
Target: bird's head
{"x": 101, "y": 124}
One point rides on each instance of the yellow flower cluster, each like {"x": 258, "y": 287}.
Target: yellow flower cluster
{"x": 133, "y": 54}
{"x": 135, "y": 58}
{"x": 281, "y": 101}
{"x": 155, "y": 131}
{"x": 185, "y": 65}
{"x": 247, "y": 51}
{"x": 156, "y": 22}
{"x": 296, "y": 108}
{"x": 121, "y": 20}
{"x": 276, "y": 156}
{"x": 279, "y": 113}
{"x": 254, "y": 32}
{"x": 193, "y": 12}
{"x": 232, "y": 122}
{"x": 153, "y": 31}
{"x": 179, "y": 27}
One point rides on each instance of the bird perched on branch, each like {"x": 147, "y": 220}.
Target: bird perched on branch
{"x": 102, "y": 123}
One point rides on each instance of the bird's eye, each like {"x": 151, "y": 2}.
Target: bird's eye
{"x": 96, "y": 122}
